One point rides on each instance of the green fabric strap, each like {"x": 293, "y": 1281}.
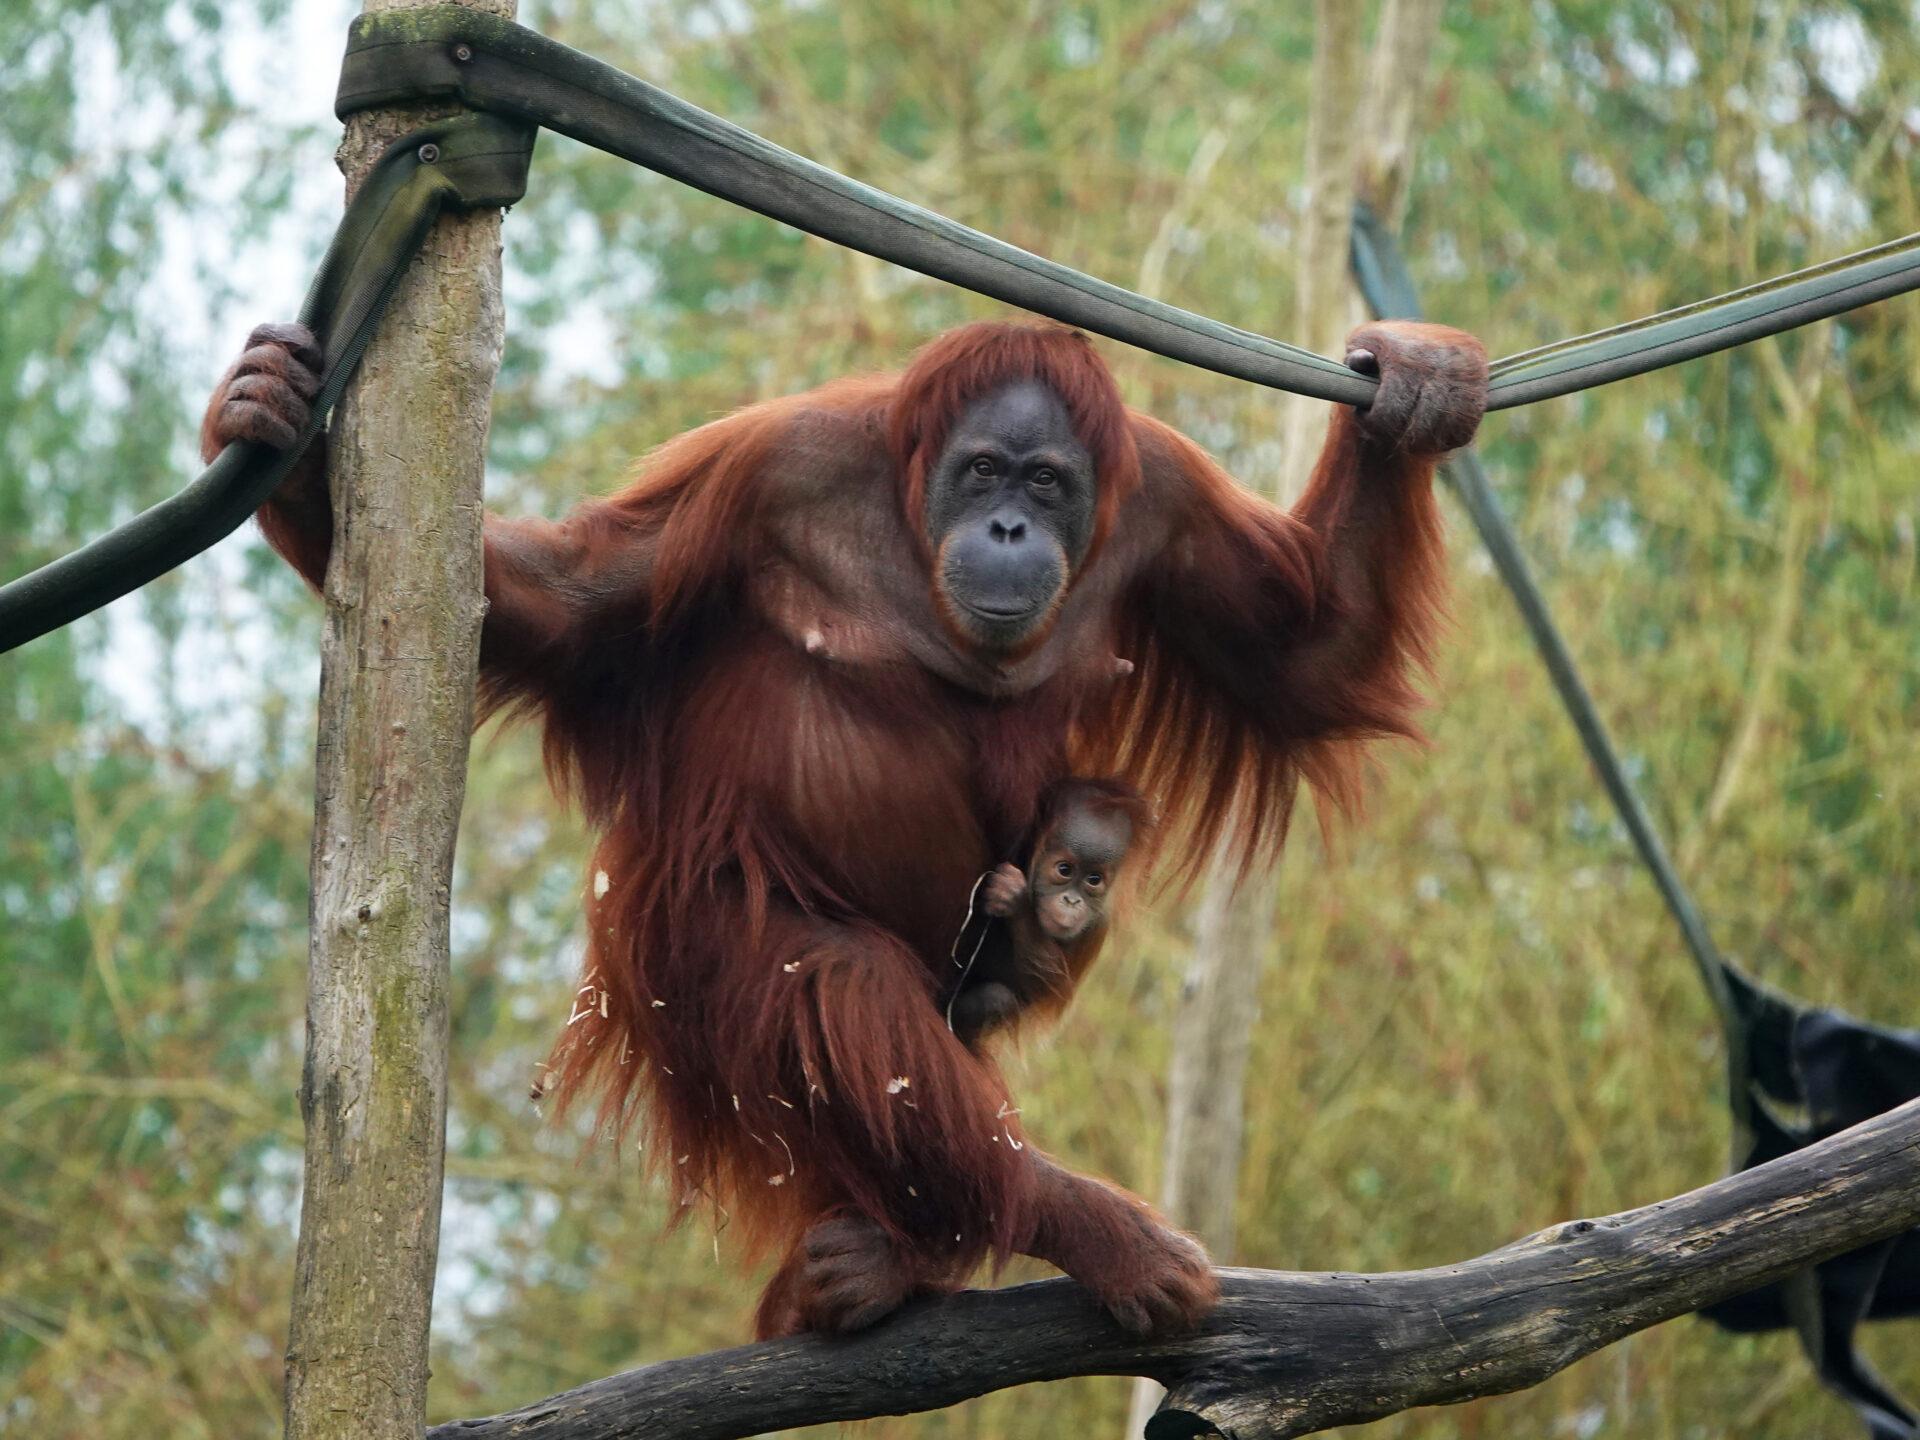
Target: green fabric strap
{"x": 462, "y": 163}
{"x": 517, "y": 79}
{"x": 450, "y": 52}
{"x": 1388, "y": 289}
{"x": 492, "y": 64}
{"x": 1783, "y": 303}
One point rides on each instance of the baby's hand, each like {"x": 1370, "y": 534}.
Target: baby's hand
{"x": 1004, "y": 890}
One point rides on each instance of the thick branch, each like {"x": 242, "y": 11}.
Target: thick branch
{"x": 1288, "y": 1354}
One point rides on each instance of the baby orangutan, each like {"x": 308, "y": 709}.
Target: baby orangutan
{"x": 1056, "y": 913}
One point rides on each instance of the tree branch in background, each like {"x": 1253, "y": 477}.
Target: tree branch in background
{"x": 1289, "y": 1354}
{"x": 1323, "y": 300}
{"x": 1396, "y": 93}
{"x": 1233, "y": 922}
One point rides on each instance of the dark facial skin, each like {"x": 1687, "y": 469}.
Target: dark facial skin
{"x": 1074, "y": 870}
{"x": 1058, "y": 912}
{"x": 1010, "y": 504}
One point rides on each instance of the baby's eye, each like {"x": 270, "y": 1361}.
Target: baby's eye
{"x": 1064, "y": 869}
{"x": 1095, "y": 880}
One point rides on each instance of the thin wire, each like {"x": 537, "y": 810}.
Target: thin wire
{"x": 954, "y": 953}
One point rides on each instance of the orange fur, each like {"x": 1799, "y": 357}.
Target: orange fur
{"x": 787, "y": 846}
{"x": 1065, "y": 964}
{"x": 1257, "y": 595}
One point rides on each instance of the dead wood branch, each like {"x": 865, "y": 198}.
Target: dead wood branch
{"x": 1288, "y": 1354}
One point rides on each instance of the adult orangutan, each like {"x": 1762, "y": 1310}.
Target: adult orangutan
{"x": 809, "y": 674}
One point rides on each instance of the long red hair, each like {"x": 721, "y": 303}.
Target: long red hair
{"x": 668, "y": 979}
{"x": 1226, "y": 777}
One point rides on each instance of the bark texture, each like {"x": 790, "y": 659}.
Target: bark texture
{"x": 1290, "y": 1354}
{"x": 406, "y": 454}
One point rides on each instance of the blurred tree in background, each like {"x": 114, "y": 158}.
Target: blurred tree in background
{"x": 1483, "y": 1021}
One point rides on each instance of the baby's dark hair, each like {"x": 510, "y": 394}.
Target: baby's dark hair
{"x": 1101, "y": 796}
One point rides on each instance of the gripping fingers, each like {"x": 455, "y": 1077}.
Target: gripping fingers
{"x": 263, "y": 407}
{"x": 266, "y": 395}
{"x": 1390, "y": 416}
{"x": 1003, "y": 890}
{"x": 1433, "y": 384}
{"x": 851, "y": 1276}
{"x": 250, "y": 420}
{"x": 828, "y": 1239}
{"x": 296, "y": 340}
{"x": 282, "y": 365}
{"x": 269, "y": 390}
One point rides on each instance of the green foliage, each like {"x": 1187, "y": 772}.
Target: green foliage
{"x": 147, "y": 1025}
{"x": 1480, "y": 1022}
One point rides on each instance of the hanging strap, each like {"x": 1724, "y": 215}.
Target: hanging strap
{"x": 462, "y": 163}
{"x": 451, "y": 52}
{"x": 510, "y": 73}
{"x": 1388, "y": 289}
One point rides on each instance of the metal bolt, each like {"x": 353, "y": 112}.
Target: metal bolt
{"x": 429, "y": 153}
{"x": 463, "y": 53}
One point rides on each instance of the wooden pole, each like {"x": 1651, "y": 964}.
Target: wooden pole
{"x": 406, "y": 453}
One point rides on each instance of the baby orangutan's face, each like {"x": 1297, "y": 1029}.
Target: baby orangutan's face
{"x": 1074, "y": 870}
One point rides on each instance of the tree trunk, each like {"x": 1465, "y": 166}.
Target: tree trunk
{"x": 406, "y": 455}
{"x": 1397, "y": 92}
{"x": 1212, "y": 1037}
{"x": 1219, "y": 991}
{"x": 1323, "y": 304}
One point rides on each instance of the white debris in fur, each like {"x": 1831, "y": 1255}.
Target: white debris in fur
{"x": 595, "y": 999}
